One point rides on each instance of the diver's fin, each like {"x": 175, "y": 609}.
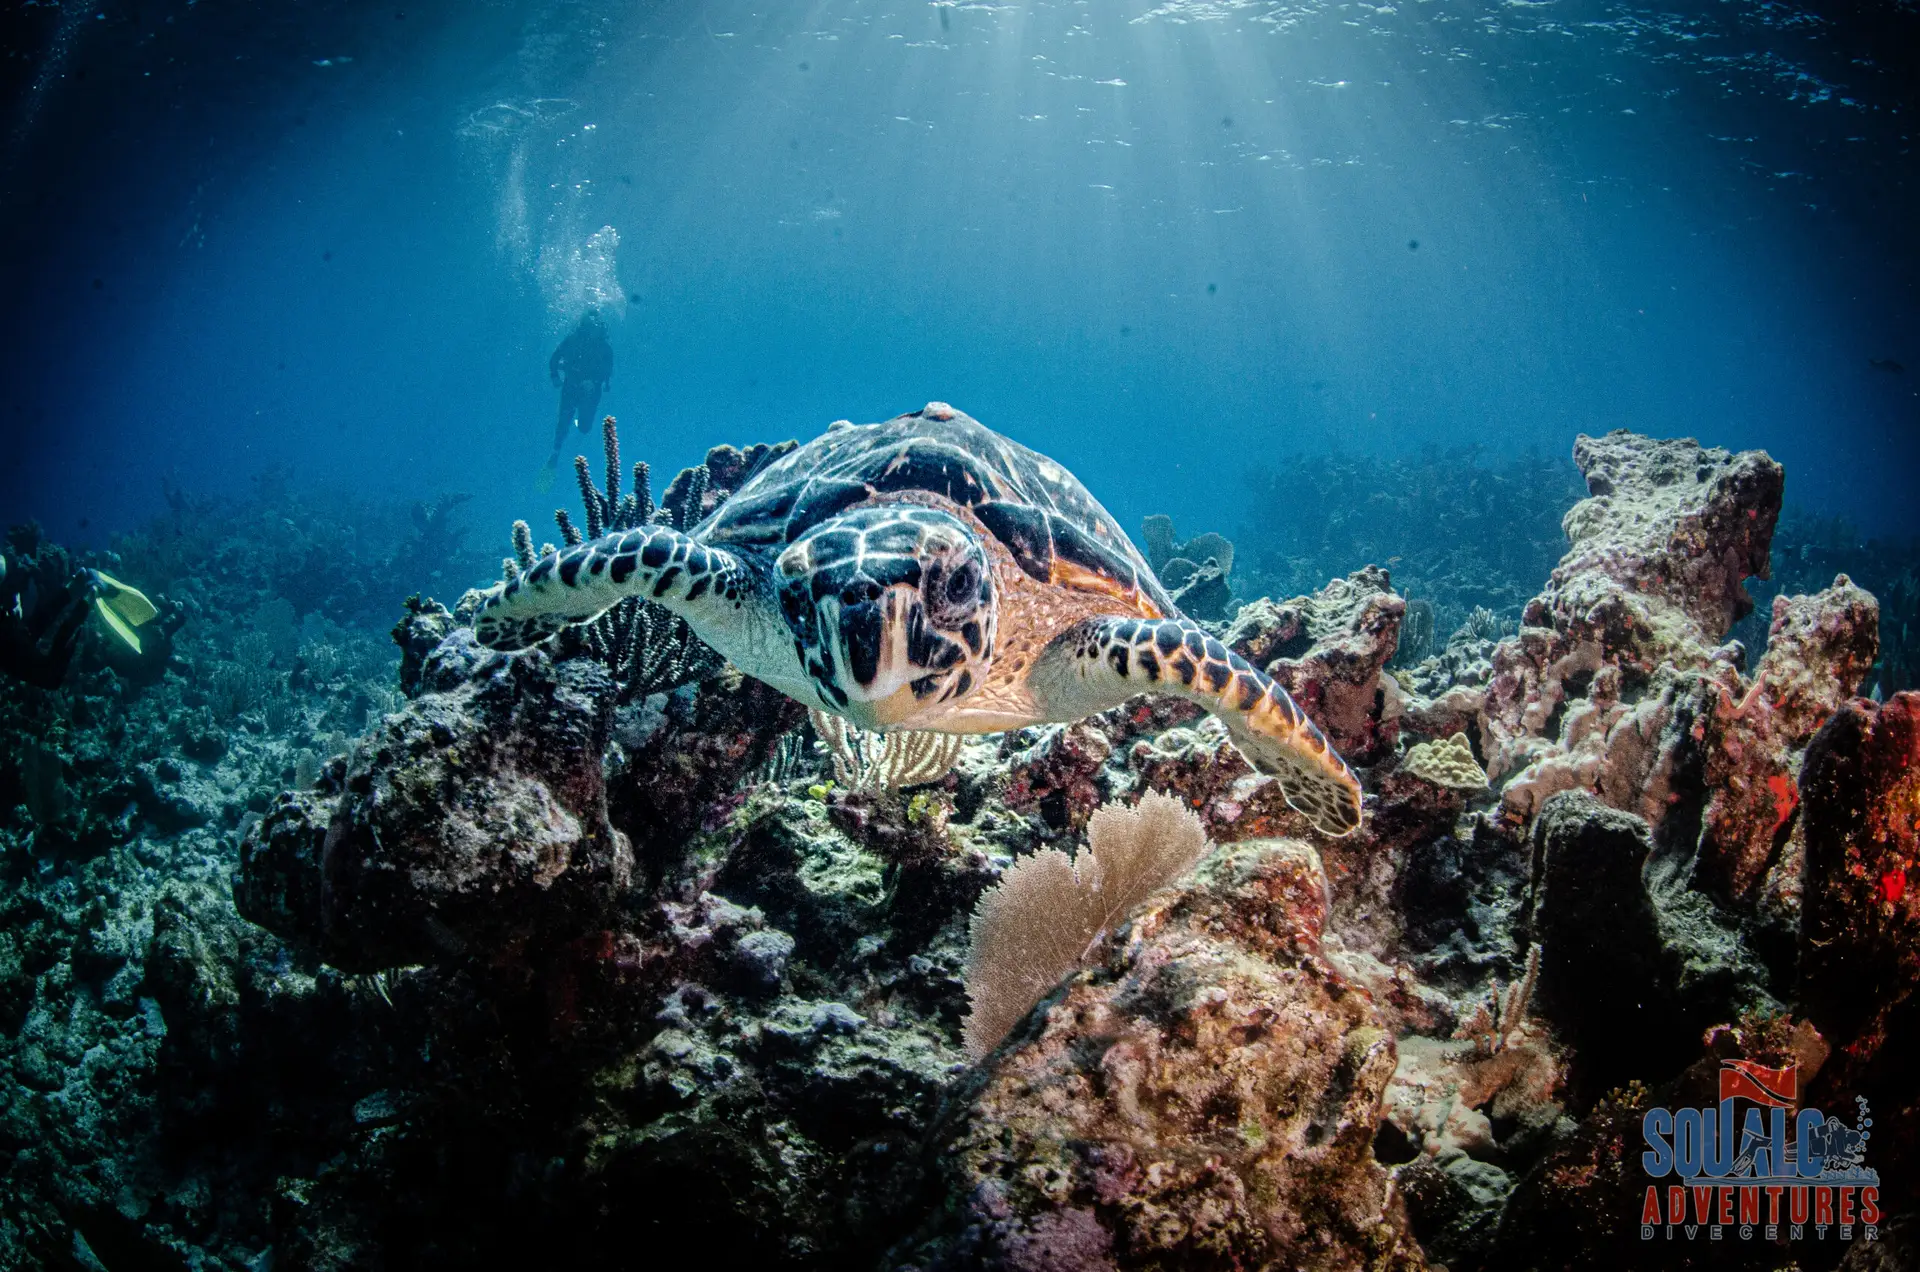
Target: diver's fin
{"x": 116, "y": 624}
{"x": 127, "y": 601}
{"x": 122, "y": 607}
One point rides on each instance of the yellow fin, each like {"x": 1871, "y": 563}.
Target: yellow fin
{"x": 116, "y": 624}
{"x": 128, "y": 602}
{"x": 122, "y": 607}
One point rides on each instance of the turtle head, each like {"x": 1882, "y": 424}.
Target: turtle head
{"x": 892, "y": 611}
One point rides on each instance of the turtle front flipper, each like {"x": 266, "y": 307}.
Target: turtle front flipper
{"x": 704, "y": 585}
{"x": 1102, "y": 662}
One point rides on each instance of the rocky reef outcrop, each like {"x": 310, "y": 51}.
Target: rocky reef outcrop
{"x": 1634, "y": 967}
{"x": 1860, "y": 918}
{"x": 1208, "y": 1097}
{"x": 1328, "y": 650}
{"x": 1619, "y": 657}
{"x": 1645, "y": 840}
{"x": 475, "y": 819}
{"x": 693, "y": 963}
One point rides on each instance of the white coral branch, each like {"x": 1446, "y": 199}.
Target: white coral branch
{"x": 866, "y": 761}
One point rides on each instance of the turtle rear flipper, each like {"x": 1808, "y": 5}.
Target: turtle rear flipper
{"x": 1102, "y": 662}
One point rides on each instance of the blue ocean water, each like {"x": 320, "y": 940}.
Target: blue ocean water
{"x": 1163, "y": 242}
{"x": 329, "y": 939}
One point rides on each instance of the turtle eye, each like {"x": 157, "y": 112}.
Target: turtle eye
{"x": 962, "y": 583}
{"x": 953, "y": 591}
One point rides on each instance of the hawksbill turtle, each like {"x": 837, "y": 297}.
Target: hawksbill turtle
{"x": 927, "y": 573}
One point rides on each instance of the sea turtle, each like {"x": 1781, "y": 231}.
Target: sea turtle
{"x": 928, "y": 573}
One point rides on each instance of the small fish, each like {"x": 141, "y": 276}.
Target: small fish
{"x": 1886, "y": 364}
{"x": 1393, "y": 560}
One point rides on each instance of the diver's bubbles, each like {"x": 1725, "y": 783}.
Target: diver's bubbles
{"x": 546, "y": 224}
{"x": 509, "y": 118}
{"x": 512, "y": 233}
{"x": 493, "y": 121}
{"x": 581, "y": 275}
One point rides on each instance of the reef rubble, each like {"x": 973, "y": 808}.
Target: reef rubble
{"x": 434, "y": 956}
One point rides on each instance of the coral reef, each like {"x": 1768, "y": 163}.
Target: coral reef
{"x": 1635, "y": 966}
{"x": 1344, "y": 635}
{"x": 323, "y": 552}
{"x": 1567, "y": 1211}
{"x": 1819, "y": 649}
{"x": 1457, "y": 532}
{"x": 477, "y": 818}
{"x": 1622, "y": 651}
{"x": 1660, "y": 790}
{"x": 1198, "y": 572}
{"x": 1860, "y": 923}
{"x": 1809, "y": 550}
{"x": 1205, "y": 1097}
{"x": 130, "y": 992}
{"x": 328, "y": 947}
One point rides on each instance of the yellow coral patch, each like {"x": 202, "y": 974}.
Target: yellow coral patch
{"x": 1449, "y": 763}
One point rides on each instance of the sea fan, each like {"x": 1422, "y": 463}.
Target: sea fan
{"x": 1050, "y": 912}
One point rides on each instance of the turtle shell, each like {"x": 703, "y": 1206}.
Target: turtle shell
{"x": 1052, "y": 527}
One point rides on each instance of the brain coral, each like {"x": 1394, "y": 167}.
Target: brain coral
{"x": 1449, "y": 763}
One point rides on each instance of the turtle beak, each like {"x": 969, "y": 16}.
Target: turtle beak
{"x": 862, "y": 637}
{"x": 880, "y": 714}
{"x": 875, "y": 670}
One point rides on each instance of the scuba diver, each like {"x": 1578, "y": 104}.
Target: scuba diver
{"x": 580, "y": 369}
{"x": 39, "y": 626}
{"x": 44, "y": 601}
